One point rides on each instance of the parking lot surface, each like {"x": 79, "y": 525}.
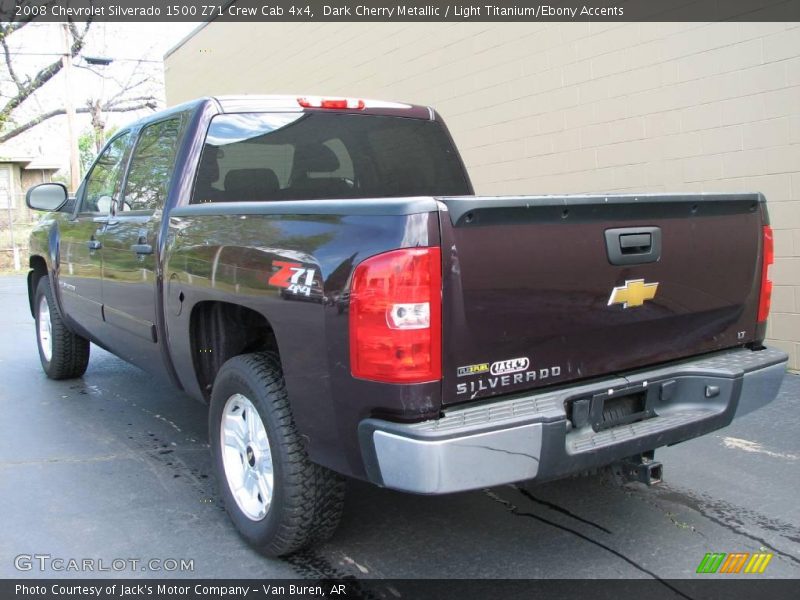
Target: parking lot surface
{"x": 116, "y": 465}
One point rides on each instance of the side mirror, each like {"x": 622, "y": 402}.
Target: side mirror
{"x": 47, "y": 196}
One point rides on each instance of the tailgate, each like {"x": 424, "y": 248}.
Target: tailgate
{"x": 546, "y": 290}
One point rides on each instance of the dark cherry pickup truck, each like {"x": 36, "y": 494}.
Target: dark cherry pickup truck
{"x": 320, "y": 273}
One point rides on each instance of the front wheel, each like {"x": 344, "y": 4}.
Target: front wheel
{"x": 63, "y": 354}
{"x": 278, "y": 499}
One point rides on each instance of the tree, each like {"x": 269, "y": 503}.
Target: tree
{"x": 27, "y": 85}
{"x": 127, "y": 98}
{"x": 86, "y": 149}
{"x": 89, "y": 144}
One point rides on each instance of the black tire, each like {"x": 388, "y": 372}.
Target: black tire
{"x": 307, "y": 499}
{"x": 70, "y": 352}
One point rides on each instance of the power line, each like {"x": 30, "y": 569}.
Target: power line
{"x": 147, "y": 60}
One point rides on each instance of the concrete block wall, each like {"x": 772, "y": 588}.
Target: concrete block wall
{"x": 559, "y": 107}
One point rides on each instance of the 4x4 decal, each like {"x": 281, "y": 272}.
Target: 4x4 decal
{"x": 292, "y": 276}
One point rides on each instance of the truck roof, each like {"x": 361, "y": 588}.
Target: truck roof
{"x": 286, "y": 102}
{"x": 291, "y": 103}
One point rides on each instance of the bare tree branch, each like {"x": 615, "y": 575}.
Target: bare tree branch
{"x": 29, "y": 86}
{"x": 32, "y": 123}
{"x": 144, "y": 103}
{"x": 11, "y": 72}
{"x": 151, "y": 105}
{"x": 7, "y": 29}
{"x": 133, "y": 90}
{"x": 91, "y": 70}
{"x": 127, "y": 85}
{"x": 147, "y": 97}
{"x": 115, "y": 103}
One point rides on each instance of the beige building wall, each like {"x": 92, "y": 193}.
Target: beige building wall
{"x": 558, "y": 108}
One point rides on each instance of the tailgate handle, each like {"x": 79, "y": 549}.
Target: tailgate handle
{"x": 633, "y": 245}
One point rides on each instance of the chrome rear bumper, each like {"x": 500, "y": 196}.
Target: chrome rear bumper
{"x": 532, "y": 436}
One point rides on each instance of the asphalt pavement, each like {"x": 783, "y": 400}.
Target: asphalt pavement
{"x": 116, "y": 465}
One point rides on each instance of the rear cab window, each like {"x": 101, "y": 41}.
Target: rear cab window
{"x": 255, "y": 157}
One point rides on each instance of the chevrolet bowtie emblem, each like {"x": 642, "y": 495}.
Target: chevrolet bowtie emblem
{"x": 633, "y": 293}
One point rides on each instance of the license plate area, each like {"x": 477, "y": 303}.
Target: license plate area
{"x": 613, "y": 411}
{"x": 607, "y": 410}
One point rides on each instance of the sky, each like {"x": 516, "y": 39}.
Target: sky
{"x": 38, "y": 44}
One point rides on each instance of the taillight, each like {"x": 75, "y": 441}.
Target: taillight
{"x": 334, "y": 103}
{"x": 768, "y": 257}
{"x": 396, "y": 317}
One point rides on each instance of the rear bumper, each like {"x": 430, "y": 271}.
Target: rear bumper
{"x": 532, "y": 437}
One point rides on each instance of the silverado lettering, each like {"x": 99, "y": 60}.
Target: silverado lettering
{"x": 322, "y": 275}
{"x": 490, "y": 383}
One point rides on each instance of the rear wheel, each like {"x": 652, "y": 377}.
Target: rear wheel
{"x": 63, "y": 354}
{"x": 278, "y": 499}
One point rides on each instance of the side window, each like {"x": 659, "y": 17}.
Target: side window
{"x": 102, "y": 184}
{"x": 151, "y": 167}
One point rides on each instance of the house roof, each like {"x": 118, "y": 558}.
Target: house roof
{"x": 40, "y": 163}
{"x": 186, "y": 38}
{"x": 16, "y": 159}
{"x": 44, "y": 163}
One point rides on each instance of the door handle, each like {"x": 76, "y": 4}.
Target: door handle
{"x": 94, "y": 244}
{"x": 142, "y": 247}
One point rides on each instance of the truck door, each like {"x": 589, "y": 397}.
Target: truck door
{"x": 130, "y": 247}
{"x": 80, "y": 251}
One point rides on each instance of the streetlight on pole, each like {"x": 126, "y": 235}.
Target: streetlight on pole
{"x": 99, "y": 61}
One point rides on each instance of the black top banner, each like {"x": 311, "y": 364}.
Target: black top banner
{"x": 405, "y": 11}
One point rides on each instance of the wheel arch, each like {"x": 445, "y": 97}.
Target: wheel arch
{"x": 219, "y": 331}
{"x": 43, "y": 261}
{"x": 38, "y": 269}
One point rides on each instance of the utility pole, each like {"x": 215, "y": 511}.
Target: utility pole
{"x": 74, "y": 161}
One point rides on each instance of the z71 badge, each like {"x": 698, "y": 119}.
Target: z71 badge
{"x": 293, "y": 277}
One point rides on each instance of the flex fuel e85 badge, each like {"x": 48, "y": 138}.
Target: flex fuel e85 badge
{"x": 502, "y": 374}
{"x": 473, "y": 369}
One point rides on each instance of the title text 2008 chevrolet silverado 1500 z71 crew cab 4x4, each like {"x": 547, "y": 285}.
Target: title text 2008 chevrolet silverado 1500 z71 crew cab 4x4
{"x": 319, "y": 272}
